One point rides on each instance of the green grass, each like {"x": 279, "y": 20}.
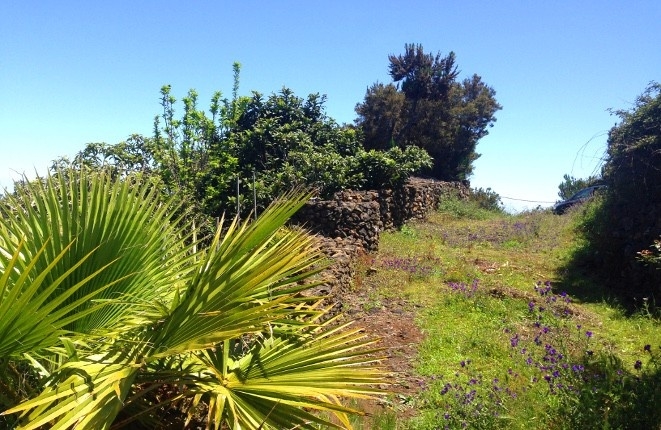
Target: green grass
{"x": 504, "y": 346}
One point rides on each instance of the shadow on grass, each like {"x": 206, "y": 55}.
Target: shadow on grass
{"x": 616, "y": 398}
{"x": 585, "y": 279}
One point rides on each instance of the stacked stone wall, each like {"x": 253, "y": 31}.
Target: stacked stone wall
{"x": 362, "y": 215}
{"x": 350, "y": 223}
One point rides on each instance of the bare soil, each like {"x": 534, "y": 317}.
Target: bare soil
{"x": 393, "y": 323}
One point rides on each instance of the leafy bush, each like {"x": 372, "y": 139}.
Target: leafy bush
{"x": 487, "y": 199}
{"x": 391, "y": 168}
{"x": 629, "y": 219}
{"x": 469, "y": 209}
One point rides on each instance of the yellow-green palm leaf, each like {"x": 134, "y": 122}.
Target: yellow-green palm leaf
{"x": 282, "y": 378}
{"x": 101, "y": 241}
{"x": 247, "y": 280}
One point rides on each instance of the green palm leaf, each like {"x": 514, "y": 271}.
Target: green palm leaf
{"x": 31, "y": 317}
{"x": 283, "y": 378}
{"x": 248, "y": 279}
{"x": 94, "y": 238}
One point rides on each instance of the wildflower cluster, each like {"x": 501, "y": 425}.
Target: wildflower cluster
{"x": 468, "y": 400}
{"x": 465, "y": 289}
{"x": 561, "y": 355}
{"x": 412, "y": 266}
{"x": 557, "y": 359}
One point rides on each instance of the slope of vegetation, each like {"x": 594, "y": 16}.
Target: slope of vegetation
{"x": 510, "y": 338}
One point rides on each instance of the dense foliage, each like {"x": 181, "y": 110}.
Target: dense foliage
{"x": 246, "y": 151}
{"x": 287, "y": 141}
{"x": 431, "y": 109}
{"x": 628, "y": 221}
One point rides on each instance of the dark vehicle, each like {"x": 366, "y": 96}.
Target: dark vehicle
{"x": 578, "y": 198}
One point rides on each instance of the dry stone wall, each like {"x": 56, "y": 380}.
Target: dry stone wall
{"x": 350, "y": 223}
{"x": 362, "y": 215}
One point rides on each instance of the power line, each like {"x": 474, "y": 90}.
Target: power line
{"x": 523, "y": 200}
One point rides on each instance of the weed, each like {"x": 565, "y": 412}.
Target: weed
{"x": 408, "y": 231}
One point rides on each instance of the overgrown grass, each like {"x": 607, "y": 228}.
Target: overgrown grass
{"x": 506, "y": 345}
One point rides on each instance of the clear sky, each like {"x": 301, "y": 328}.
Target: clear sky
{"x": 73, "y": 72}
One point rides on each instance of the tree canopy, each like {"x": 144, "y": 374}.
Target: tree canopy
{"x": 426, "y": 106}
{"x": 268, "y": 144}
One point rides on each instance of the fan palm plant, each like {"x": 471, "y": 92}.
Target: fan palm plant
{"x": 110, "y": 317}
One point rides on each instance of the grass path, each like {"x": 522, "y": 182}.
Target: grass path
{"x": 487, "y": 329}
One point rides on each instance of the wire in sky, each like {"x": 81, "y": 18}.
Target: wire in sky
{"x": 523, "y": 200}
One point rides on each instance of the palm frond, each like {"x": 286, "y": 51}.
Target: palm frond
{"x": 31, "y": 316}
{"x": 97, "y": 274}
{"x": 282, "y": 379}
{"x": 83, "y": 394}
{"x": 248, "y": 279}
{"x": 79, "y": 222}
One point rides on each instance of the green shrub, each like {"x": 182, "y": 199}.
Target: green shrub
{"x": 391, "y": 168}
{"x": 487, "y": 199}
{"x": 628, "y": 220}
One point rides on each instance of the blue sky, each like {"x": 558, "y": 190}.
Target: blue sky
{"x": 73, "y": 72}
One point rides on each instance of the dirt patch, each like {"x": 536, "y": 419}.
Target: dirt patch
{"x": 393, "y": 322}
